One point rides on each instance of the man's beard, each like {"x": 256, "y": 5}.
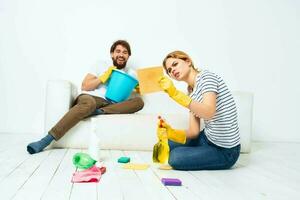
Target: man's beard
{"x": 119, "y": 66}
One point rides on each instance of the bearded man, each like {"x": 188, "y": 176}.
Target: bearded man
{"x": 92, "y": 99}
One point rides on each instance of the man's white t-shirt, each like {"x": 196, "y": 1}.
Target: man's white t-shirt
{"x": 97, "y": 70}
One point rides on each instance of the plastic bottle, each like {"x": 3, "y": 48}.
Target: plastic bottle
{"x": 83, "y": 160}
{"x": 94, "y": 144}
{"x": 161, "y": 149}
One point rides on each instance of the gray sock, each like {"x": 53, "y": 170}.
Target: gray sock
{"x": 38, "y": 146}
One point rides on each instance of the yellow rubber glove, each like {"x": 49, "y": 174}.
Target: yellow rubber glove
{"x": 167, "y": 85}
{"x": 175, "y": 135}
{"x": 105, "y": 76}
{"x": 137, "y": 89}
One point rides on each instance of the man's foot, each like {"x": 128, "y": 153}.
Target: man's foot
{"x": 36, "y": 147}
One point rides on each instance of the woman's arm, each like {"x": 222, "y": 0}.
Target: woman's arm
{"x": 207, "y": 108}
{"x": 194, "y": 126}
{"x": 90, "y": 82}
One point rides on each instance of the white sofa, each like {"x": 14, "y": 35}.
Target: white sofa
{"x": 130, "y": 131}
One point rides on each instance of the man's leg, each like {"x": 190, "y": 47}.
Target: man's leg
{"x": 100, "y": 103}
{"x": 84, "y": 106}
{"x": 130, "y": 106}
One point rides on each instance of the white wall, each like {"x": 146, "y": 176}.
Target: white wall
{"x": 254, "y": 45}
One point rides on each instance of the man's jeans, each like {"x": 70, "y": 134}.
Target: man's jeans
{"x": 201, "y": 154}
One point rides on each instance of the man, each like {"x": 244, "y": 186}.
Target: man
{"x": 92, "y": 99}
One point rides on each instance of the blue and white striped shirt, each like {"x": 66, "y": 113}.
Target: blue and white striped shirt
{"x": 222, "y": 129}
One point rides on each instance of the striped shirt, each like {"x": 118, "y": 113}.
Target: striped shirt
{"x": 222, "y": 129}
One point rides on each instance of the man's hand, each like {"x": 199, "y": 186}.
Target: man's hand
{"x": 167, "y": 85}
{"x": 105, "y": 76}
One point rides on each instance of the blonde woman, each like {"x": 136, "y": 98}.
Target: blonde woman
{"x": 217, "y": 146}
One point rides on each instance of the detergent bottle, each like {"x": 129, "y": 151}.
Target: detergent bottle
{"x": 161, "y": 149}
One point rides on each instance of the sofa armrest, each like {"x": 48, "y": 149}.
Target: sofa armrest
{"x": 60, "y": 95}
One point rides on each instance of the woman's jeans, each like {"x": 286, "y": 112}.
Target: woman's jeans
{"x": 201, "y": 154}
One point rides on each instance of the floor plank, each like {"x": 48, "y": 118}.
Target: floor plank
{"x": 153, "y": 187}
{"x": 270, "y": 171}
{"x": 131, "y": 185}
{"x": 109, "y": 186}
{"x": 186, "y": 191}
{"x": 86, "y": 190}
{"x": 37, "y": 183}
{"x": 60, "y": 186}
{"x": 20, "y": 175}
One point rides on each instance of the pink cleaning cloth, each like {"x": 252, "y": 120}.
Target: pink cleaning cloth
{"x": 92, "y": 174}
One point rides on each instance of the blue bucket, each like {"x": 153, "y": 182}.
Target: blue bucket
{"x": 120, "y": 86}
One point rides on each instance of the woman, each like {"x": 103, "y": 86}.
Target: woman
{"x": 217, "y": 146}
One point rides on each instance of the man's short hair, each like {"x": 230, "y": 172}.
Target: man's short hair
{"x": 124, "y": 43}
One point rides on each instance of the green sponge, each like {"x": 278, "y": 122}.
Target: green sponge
{"x": 124, "y": 160}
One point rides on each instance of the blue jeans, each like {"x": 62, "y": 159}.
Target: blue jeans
{"x": 201, "y": 154}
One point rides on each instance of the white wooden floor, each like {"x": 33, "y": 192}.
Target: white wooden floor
{"x": 270, "y": 171}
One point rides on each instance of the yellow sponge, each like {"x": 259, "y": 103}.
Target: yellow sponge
{"x": 135, "y": 166}
{"x": 148, "y": 79}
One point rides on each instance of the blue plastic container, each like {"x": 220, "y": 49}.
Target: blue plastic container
{"x": 120, "y": 86}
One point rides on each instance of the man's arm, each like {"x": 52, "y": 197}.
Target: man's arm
{"x": 90, "y": 82}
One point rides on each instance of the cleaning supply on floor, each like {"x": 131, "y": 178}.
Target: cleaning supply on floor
{"x": 124, "y": 160}
{"x": 94, "y": 144}
{"x": 136, "y": 166}
{"x": 171, "y": 181}
{"x": 92, "y": 174}
{"x": 103, "y": 169}
{"x": 161, "y": 149}
{"x": 83, "y": 160}
{"x": 165, "y": 167}
{"x": 157, "y": 146}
